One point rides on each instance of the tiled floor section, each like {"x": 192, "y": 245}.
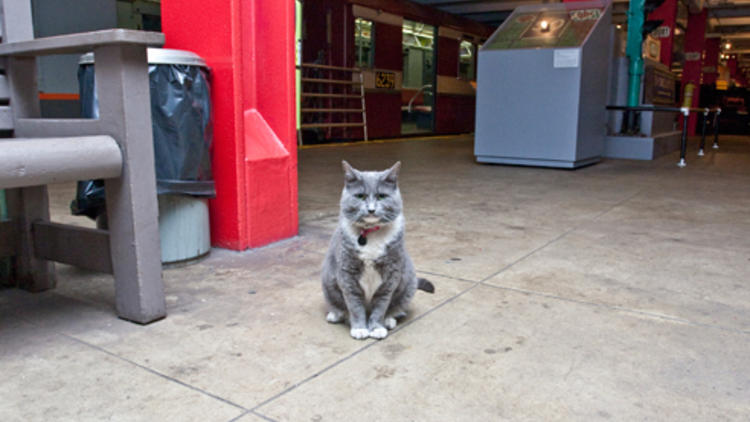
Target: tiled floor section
{"x": 619, "y": 291}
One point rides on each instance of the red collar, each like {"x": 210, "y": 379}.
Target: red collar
{"x": 365, "y": 232}
{"x": 362, "y": 239}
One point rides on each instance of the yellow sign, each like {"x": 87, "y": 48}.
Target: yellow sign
{"x": 385, "y": 80}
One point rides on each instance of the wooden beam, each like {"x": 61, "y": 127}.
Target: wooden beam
{"x": 54, "y": 242}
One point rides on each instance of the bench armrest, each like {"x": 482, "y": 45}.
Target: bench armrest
{"x": 81, "y": 42}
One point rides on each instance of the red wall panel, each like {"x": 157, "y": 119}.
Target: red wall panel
{"x": 447, "y": 61}
{"x": 383, "y": 115}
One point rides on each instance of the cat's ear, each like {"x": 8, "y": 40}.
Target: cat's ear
{"x": 350, "y": 174}
{"x": 391, "y": 175}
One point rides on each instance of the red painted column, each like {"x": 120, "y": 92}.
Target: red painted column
{"x": 249, "y": 46}
{"x": 667, "y": 12}
{"x": 735, "y": 74}
{"x": 711, "y": 61}
{"x": 695, "y": 37}
{"x": 732, "y": 66}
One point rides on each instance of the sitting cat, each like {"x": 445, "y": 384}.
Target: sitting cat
{"x": 367, "y": 275}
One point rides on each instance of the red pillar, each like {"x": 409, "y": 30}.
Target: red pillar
{"x": 735, "y": 74}
{"x": 667, "y": 12}
{"x": 695, "y": 37}
{"x": 711, "y": 60}
{"x": 249, "y": 46}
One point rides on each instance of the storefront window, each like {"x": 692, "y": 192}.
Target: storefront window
{"x": 466, "y": 62}
{"x": 364, "y": 43}
{"x": 418, "y": 51}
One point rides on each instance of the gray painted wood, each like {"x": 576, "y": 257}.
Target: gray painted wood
{"x": 25, "y": 205}
{"x": 34, "y": 128}
{"x": 16, "y": 21}
{"x": 7, "y": 238}
{"x": 4, "y": 93}
{"x": 53, "y": 242}
{"x": 123, "y": 89}
{"x": 41, "y": 161}
{"x": 81, "y": 42}
{"x": 6, "y": 118}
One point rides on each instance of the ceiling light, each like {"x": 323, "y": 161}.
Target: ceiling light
{"x": 544, "y": 25}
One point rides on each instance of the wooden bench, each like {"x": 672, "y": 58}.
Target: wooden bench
{"x": 117, "y": 147}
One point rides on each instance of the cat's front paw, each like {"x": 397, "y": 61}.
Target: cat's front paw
{"x": 334, "y": 317}
{"x": 379, "y": 333}
{"x": 390, "y": 323}
{"x": 359, "y": 333}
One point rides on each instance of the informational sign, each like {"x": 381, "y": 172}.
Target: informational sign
{"x": 565, "y": 58}
{"x": 658, "y": 86}
{"x": 662, "y": 32}
{"x": 385, "y": 80}
{"x": 692, "y": 56}
{"x": 549, "y": 28}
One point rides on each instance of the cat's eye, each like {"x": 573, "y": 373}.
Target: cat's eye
{"x": 382, "y": 196}
{"x": 360, "y": 196}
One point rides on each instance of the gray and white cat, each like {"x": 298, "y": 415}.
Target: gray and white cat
{"x": 368, "y": 278}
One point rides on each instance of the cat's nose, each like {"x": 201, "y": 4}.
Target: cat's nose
{"x": 371, "y": 210}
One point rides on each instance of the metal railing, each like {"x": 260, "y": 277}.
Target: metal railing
{"x": 685, "y": 113}
{"x": 332, "y": 112}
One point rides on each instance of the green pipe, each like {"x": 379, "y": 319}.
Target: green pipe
{"x": 636, "y": 16}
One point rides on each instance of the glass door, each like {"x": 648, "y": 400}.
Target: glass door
{"x": 418, "y": 87}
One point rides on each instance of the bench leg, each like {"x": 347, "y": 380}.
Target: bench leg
{"x": 132, "y": 210}
{"x": 25, "y": 206}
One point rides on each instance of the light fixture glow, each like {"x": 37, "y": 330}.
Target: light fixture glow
{"x": 728, "y": 45}
{"x": 619, "y": 26}
{"x": 544, "y": 25}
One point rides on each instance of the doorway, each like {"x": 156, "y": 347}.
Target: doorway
{"x": 418, "y": 88}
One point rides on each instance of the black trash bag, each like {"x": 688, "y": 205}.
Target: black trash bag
{"x": 182, "y": 131}
{"x": 181, "y": 116}
{"x": 89, "y": 199}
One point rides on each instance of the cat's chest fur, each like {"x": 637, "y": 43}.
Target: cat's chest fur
{"x": 374, "y": 249}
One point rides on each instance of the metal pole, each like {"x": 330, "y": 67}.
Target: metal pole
{"x": 703, "y": 132}
{"x": 683, "y": 145}
{"x": 716, "y": 129}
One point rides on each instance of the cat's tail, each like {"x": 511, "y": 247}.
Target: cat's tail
{"x": 424, "y": 284}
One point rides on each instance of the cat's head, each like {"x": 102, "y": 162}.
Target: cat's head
{"x": 370, "y": 198}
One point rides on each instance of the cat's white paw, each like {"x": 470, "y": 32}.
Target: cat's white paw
{"x": 334, "y": 317}
{"x": 359, "y": 333}
{"x": 379, "y": 333}
{"x": 390, "y": 323}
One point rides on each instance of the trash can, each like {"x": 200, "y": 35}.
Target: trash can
{"x": 182, "y": 131}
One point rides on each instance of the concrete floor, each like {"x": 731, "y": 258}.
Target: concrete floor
{"x": 614, "y": 292}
